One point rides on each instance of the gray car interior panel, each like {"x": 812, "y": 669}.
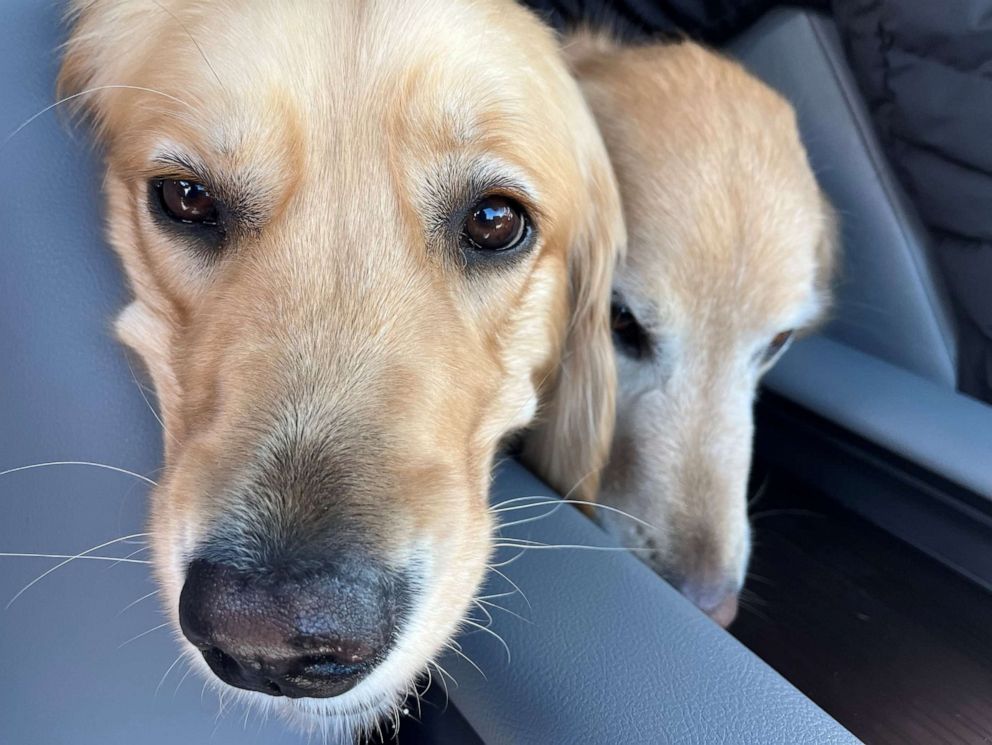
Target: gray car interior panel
{"x": 604, "y": 652}
{"x": 610, "y": 653}
{"x": 889, "y": 299}
{"x": 944, "y": 432}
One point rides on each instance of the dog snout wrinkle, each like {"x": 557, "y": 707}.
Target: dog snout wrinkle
{"x": 315, "y": 634}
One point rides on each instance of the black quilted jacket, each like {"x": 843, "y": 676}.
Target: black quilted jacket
{"x": 925, "y": 67}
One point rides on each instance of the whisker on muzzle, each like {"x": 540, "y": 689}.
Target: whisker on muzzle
{"x": 117, "y": 559}
{"x": 455, "y": 647}
{"x": 516, "y": 588}
{"x": 73, "y": 557}
{"x": 492, "y": 633}
{"x": 135, "y": 602}
{"x": 165, "y": 675}
{"x": 495, "y": 606}
{"x": 143, "y": 634}
{"x": 557, "y": 502}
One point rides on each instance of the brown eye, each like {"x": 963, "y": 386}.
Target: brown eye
{"x": 778, "y": 344}
{"x": 628, "y": 335}
{"x": 187, "y": 201}
{"x": 496, "y": 224}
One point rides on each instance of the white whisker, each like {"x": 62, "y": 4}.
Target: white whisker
{"x": 496, "y": 595}
{"x": 141, "y": 391}
{"x": 166, "y": 675}
{"x": 526, "y": 520}
{"x": 135, "y": 602}
{"x": 505, "y": 610}
{"x": 456, "y": 648}
{"x": 512, "y": 584}
{"x": 577, "y": 546}
{"x": 488, "y": 615}
{"x": 80, "y": 463}
{"x": 143, "y": 633}
{"x": 491, "y": 633}
{"x": 507, "y": 563}
{"x": 69, "y": 559}
{"x": 555, "y": 501}
{"x": 133, "y": 553}
{"x": 87, "y": 557}
{"x": 95, "y": 89}
{"x": 189, "y": 669}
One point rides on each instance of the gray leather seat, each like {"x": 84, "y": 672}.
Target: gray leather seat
{"x": 611, "y": 653}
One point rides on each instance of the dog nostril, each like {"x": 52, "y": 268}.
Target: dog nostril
{"x": 315, "y": 635}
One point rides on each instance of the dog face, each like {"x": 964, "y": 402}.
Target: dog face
{"x": 354, "y": 232}
{"x": 729, "y": 257}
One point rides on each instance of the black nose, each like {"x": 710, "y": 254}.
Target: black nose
{"x": 297, "y": 634}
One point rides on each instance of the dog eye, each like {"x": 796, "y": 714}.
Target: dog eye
{"x": 495, "y": 223}
{"x": 628, "y": 336}
{"x": 187, "y": 202}
{"x": 777, "y": 346}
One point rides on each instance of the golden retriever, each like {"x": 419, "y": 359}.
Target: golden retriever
{"x": 367, "y": 240}
{"x": 730, "y": 254}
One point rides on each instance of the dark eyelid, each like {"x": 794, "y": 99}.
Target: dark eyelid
{"x": 246, "y": 210}
{"x": 646, "y": 317}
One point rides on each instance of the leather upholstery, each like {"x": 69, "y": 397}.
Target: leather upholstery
{"x": 611, "y": 655}
{"x": 606, "y": 652}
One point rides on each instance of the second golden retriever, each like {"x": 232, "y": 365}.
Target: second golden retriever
{"x": 731, "y": 248}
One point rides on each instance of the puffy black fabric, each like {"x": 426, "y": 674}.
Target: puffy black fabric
{"x": 926, "y": 69}
{"x": 713, "y": 21}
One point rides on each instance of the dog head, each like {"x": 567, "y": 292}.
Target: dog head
{"x": 361, "y": 236}
{"x": 730, "y": 253}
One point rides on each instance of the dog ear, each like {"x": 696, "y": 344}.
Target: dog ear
{"x": 569, "y": 444}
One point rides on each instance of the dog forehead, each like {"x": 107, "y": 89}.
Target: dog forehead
{"x": 340, "y": 85}
{"x": 350, "y": 57}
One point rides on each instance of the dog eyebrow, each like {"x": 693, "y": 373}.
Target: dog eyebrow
{"x": 185, "y": 166}
{"x": 244, "y": 203}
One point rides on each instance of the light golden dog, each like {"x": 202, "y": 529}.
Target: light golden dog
{"x": 730, "y": 253}
{"x": 366, "y": 240}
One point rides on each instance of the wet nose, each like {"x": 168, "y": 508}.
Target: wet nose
{"x": 313, "y": 634}
{"x": 716, "y": 600}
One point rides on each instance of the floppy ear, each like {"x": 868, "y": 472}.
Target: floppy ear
{"x": 569, "y": 444}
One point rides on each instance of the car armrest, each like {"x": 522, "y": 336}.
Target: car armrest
{"x": 603, "y": 651}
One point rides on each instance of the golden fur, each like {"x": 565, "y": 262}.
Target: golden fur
{"x": 338, "y": 318}
{"x": 730, "y": 243}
